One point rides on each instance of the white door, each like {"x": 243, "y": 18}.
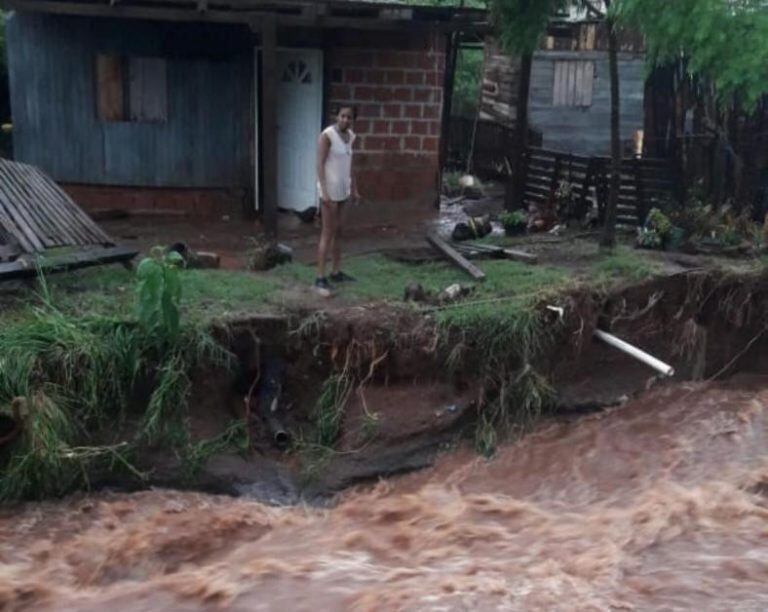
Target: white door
{"x": 299, "y": 114}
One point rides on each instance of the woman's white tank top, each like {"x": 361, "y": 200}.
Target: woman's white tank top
{"x": 338, "y": 165}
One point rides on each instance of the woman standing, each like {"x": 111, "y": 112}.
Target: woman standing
{"x": 337, "y": 186}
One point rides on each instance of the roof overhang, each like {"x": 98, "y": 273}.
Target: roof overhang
{"x": 300, "y": 13}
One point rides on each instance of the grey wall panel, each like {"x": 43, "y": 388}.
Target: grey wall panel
{"x": 203, "y": 143}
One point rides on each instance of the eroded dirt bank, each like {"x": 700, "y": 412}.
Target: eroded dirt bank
{"x": 407, "y": 389}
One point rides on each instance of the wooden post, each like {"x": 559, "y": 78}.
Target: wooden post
{"x": 451, "y": 54}
{"x": 269, "y": 123}
{"x": 642, "y": 205}
{"x": 515, "y": 192}
{"x": 608, "y": 240}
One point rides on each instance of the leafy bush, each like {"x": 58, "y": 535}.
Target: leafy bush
{"x": 655, "y": 231}
{"x": 514, "y": 221}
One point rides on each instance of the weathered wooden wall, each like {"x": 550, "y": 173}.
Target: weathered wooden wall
{"x": 498, "y": 96}
{"x": 583, "y": 130}
{"x": 204, "y": 143}
{"x": 586, "y": 130}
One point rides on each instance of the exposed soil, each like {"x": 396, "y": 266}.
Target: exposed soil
{"x": 406, "y": 407}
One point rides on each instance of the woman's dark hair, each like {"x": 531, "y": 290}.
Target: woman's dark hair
{"x": 340, "y": 107}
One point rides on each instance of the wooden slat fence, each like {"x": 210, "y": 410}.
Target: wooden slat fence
{"x": 644, "y": 182}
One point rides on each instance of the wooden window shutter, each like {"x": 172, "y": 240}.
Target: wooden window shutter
{"x": 573, "y": 83}
{"x": 110, "y": 100}
{"x": 148, "y": 87}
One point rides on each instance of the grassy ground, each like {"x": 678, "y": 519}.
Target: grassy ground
{"x": 213, "y": 293}
{"x": 73, "y": 351}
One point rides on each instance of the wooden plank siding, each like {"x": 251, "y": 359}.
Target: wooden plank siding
{"x": 203, "y": 140}
{"x": 581, "y": 128}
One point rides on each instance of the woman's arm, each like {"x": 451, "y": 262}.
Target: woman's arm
{"x": 323, "y": 146}
{"x": 353, "y": 180}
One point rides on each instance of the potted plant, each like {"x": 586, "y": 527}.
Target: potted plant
{"x": 514, "y": 222}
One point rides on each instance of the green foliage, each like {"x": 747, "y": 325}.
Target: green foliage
{"x": 726, "y": 43}
{"x": 75, "y": 378}
{"x": 466, "y": 88}
{"x": 329, "y": 408}
{"x": 159, "y": 294}
{"x": 520, "y": 23}
{"x": 512, "y": 220}
{"x": 658, "y": 221}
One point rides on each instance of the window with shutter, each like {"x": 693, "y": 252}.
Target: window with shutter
{"x": 574, "y": 80}
{"x": 131, "y": 89}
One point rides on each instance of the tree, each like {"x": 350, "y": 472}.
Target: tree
{"x": 720, "y": 51}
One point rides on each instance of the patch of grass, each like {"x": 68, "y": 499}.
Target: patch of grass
{"x": 377, "y": 277}
{"x": 109, "y": 291}
{"x": 329, "y": 409}
{"x": 74, "y": 376}
{"x": 624, "y": 265}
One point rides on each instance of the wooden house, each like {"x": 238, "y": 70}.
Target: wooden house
{"x": 213, "y": 106}
{"x": 569, "y": 97}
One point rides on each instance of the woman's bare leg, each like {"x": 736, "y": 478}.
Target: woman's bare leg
{"x": 336, "y": 240}
{"x": 329, "y": 219}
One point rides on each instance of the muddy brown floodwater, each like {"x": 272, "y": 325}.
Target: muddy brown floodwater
{"x": 657, "y": 505}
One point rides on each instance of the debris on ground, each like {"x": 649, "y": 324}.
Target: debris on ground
{"x": 471, "y": 187}
{"x": 479, "y": 250}
{"x": 265, "y": 254}
{"x": 454, "y": 292}
{"x": 414, "y": 292}
{"x": 473, "y": 228}
{"x": 195, "y": 259}
{"x": 542, "y": 217}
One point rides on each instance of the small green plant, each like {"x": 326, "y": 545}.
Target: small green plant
{"x": 159, "y": 294}
{"x": 655, "y": 231}
{"x": 329, "y": 409}
{"x": 451, "y": 185}
{"x": 513, "y": 222}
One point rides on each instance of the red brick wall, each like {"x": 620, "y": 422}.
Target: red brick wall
{"x": 395, "y": 82}
{"x": 194, "y": 202}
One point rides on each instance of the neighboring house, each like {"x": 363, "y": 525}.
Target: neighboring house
{"x": 569, "y": 98}
{"x": 215, "y": 107}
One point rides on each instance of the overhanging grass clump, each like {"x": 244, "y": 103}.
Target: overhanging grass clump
{"x": 72, "y": 382}
{"x": 499, "y": 335}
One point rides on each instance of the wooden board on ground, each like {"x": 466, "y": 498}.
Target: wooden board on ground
{"x": 27, "y": 266}
{"x": 454, "y": 256}
{"x": 497, "y": 251}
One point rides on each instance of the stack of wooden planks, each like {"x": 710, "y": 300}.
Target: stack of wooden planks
{"x": 36, "y": 215}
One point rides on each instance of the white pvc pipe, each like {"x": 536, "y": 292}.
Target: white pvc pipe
{"x": 633, "y": 351}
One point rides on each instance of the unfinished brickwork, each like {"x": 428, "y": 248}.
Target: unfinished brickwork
{"x": 395, "y": 82}
{"x": 195, "y": 202}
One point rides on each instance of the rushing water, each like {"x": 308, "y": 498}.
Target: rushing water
{"x": 656, "y": 505}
